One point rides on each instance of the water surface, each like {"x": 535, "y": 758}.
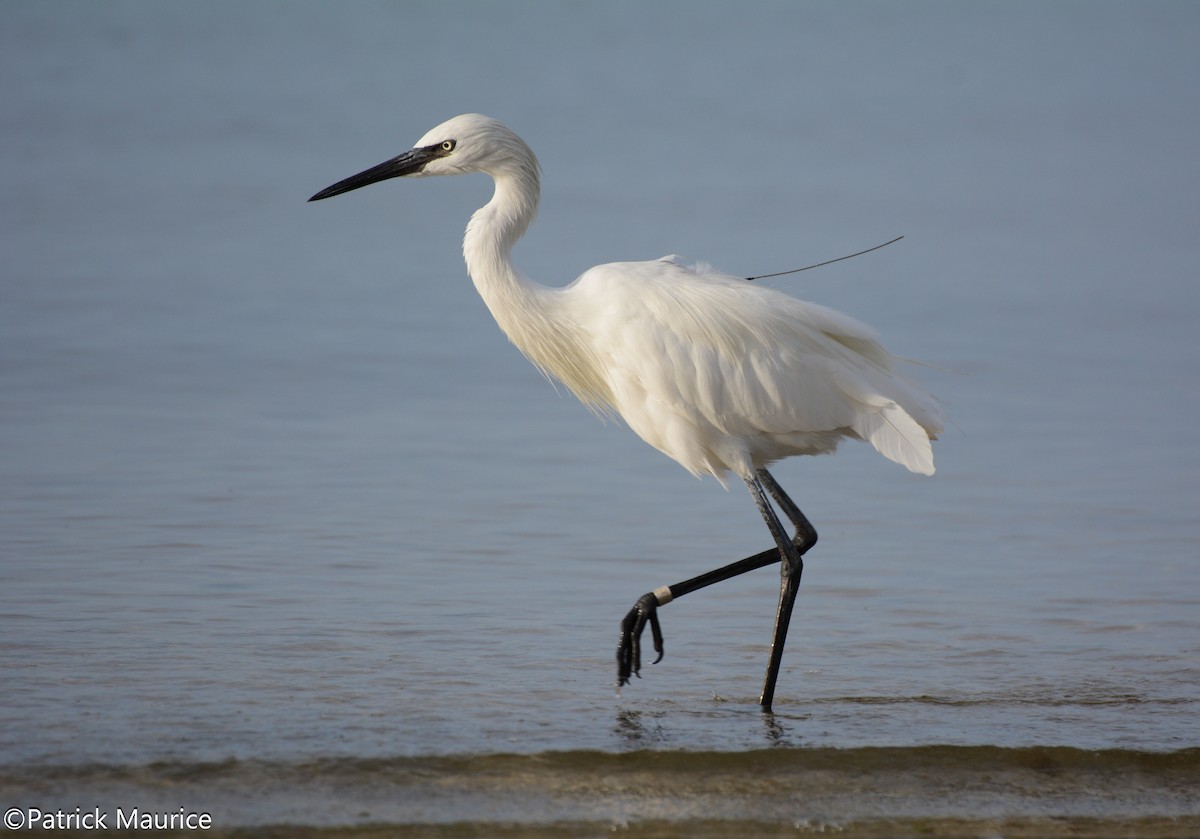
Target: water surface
{"x": 274, "y": 488}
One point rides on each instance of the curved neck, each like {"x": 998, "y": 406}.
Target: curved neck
{"x": 515, "y": 301}
{"x": 531, "y": 315}
{"x": 495, "y": 228}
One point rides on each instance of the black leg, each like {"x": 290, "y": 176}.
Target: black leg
{"x": 789, "y": 572}
{"x": 806, "y": 534}
{"x": 790, "y": 550}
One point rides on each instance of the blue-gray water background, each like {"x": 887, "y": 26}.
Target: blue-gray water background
{"x": 273, "y": 485}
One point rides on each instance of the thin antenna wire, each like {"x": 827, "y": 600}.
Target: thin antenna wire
{"x": 826, "y": 262}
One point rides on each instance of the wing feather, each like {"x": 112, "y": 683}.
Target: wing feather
{"x": 720, "y": 356}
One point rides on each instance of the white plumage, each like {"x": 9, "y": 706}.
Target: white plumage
{"x": 716, "y": 372}
{"x": 721, "y": 374}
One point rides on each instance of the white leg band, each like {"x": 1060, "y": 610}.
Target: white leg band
{"x": 663, "y": 595}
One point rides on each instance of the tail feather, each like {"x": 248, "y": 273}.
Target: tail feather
{"x": 898, "y": 437}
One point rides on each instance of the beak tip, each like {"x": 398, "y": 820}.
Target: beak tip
{"x": 327, "y": 192}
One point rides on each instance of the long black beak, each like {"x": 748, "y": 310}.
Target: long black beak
{"x": 408, "y": 163}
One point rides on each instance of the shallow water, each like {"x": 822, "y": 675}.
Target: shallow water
{"x": 274, "y": 488}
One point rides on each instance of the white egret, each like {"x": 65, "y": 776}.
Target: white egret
{"x": 718, "y": 373}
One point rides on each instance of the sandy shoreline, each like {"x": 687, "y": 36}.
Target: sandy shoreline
{"x": 1010, "y": 828}
{"x": 855, "y": 792}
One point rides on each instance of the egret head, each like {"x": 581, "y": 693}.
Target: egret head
{"x": 467, "y": 143}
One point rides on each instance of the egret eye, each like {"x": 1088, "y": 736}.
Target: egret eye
{"x": 447, "y": 145}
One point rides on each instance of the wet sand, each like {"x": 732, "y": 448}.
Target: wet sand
{"x": 926, "y": 791}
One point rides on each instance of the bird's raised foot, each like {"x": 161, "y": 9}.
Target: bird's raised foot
{"x": 629, "y": 648}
